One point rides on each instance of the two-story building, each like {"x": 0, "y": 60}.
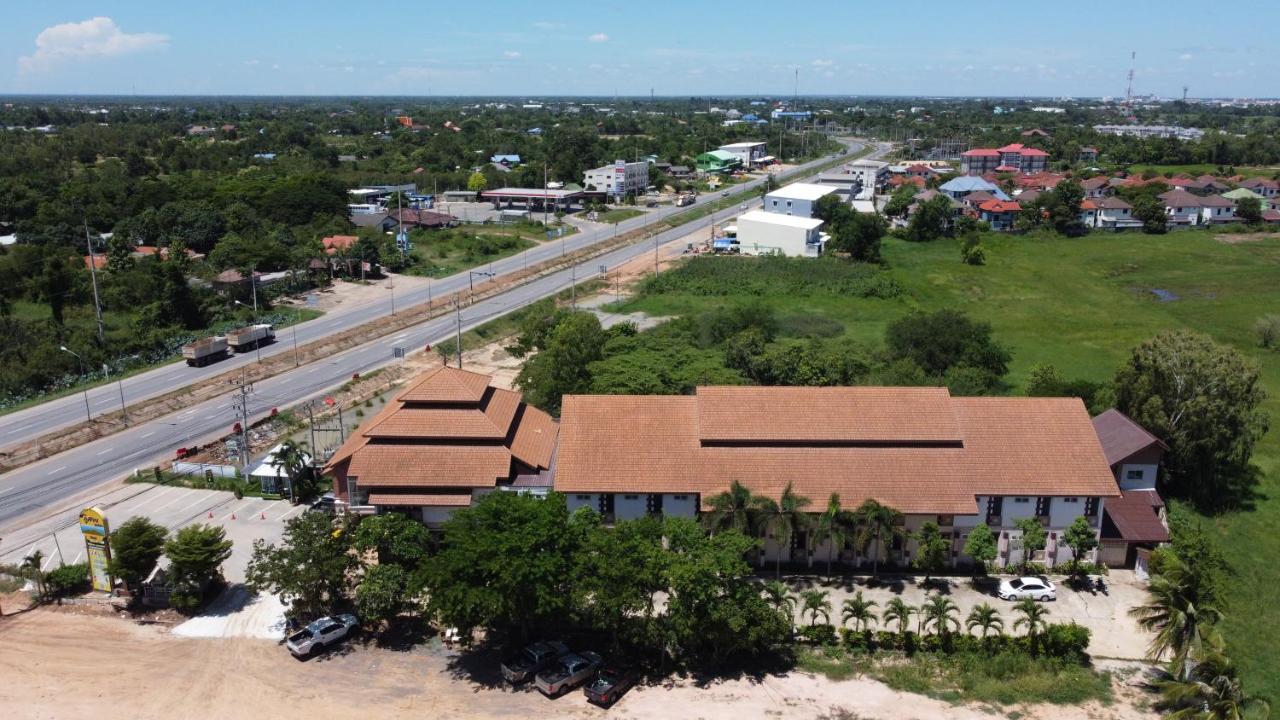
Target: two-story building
{"x": 1114, "y": 214}
{"x": 1015, "y": 157}
{"x": 620, "y": 178}
{"x": 1001, "y": 214}
{"x": 752, "y": 154}
{"x": 1186, "y": 209}
{"x": 1134, "y": 523}
{"x": 796, "y": 199}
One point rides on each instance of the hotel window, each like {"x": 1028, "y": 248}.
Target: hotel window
{"x": 1042, "y": 506}
{"x": 680, "y": 497}
{"x": 1070, "y": 500}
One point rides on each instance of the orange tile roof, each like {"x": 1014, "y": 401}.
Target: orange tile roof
{"x": 446, "y": 385}
{"x": 535, "y": 440}
{"x": 1011, "y": 446}
{"x": 826, "y": 414}
{"x": 421, "y": 499}
{"x": 430, "y": 465}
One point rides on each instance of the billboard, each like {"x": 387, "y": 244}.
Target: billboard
{"x": 97, "y": 542}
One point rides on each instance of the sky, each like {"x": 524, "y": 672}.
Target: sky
{"x": 684, "y": 48}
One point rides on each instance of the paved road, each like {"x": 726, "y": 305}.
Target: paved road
{"x": 43, "y": 485}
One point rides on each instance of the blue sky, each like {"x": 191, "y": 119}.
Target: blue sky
{"x": 692, "y": 47}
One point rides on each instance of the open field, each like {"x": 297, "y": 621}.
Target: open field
{"x": 1196, "y": 170}
{"x": 1081, "y": 305}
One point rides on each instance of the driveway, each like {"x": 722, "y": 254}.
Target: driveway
{"x": 1113, "y": 634}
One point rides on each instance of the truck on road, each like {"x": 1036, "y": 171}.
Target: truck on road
{"x": 203, "y": 352}
{"x": 248, "y": 338}
{"x": 686, "y": 199}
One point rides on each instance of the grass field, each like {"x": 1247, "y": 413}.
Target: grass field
{"x": 440, "y": 253}
{"x": 1195, "y": 170}
{"x": 1081, "y": 305}
{"x": 617, "y": 215}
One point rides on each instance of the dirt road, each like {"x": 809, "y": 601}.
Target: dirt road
{"x": 57, "y": 664}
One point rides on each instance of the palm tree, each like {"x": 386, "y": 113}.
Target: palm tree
{"x": 815, "y": 604}
{"x": 782, "y": 518}
{"x": 897, "y": 611}
{"x": 835, "y": 525}
{"x": 1178, "y": 615}
{"x": 32, "y": 565}
{"x": 941, "y": 613}
{"x": 777, "y": 594}
{"x": 876, "y": 524}
{"x": 858, "y": 609}
{"x": 1212, "y": 690}
{"x": 291, "y": 459}
{"x": 732, "y": 510}
{"x": 986, "y": 617}
{"x": 1032, "y": 616}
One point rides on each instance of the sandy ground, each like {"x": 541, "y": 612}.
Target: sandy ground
{"x": 344, "y": 294}
{"x": 59, "y": 664}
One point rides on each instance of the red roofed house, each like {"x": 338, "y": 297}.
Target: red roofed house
{"x": 1000, "y": 213}
{"x": 97, "y": 262}
{"x": 1133, "y": 524}
{"x": 445, "y": 439}
{"x": 920, "y": 171}
{"x": 1089, "y": 213}
{"x": 959, "y": 462}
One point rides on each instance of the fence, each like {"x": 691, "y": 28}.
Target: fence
{"x": 190, "y": 468}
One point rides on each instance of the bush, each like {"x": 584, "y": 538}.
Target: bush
{"x": 67, "y": 580}
{"x": 1067, "y": 641}
{"x": 1267, "y": 328}
{"x": 823, "y": 634}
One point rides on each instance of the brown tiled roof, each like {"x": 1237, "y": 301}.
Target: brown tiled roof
{"x": 826, "y": 415}
{"x": 1134, "y": 515}
{"x": 430, "y": 465}
{"x": 490, "y": 419}
{"x": 1112, "y": 203}
{"x": 1181, "y": 198}
{"x": 535, "y": 440}
{"x": 1011, "y": 446}
{"x": 1121, "y": 437}
{"x": 419, "y": 499}
{"x": 446, "y": 385}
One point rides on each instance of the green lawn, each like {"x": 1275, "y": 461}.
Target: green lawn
{"x": 440, "y": 253}
{"x": 617, "y": 215}
{"x": 1081, "y": 305}
{"x": 1196, "y": 170}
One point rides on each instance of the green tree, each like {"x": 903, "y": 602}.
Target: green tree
{"x": 859, "y": 610}
{"x": 477, "y": 183}
{"x": 932, "y": 220}
{"x": 986, "y": 618}
{"x": 196, "y": 554}
{"x": 472, "y": 580}
{"x": 396, "y": 538}
{"x": 896, "y": 610}
{"x": 816, "y": 603}
{"x": 618, "y": 571}
{"x": 946, "y": 339}
{"x": 561, "y": 366}
{"x": 733, "y": 509}
{"x": 932, "y": 550}
{"x": 836, "y": 526}
{"x": 877, "y": 525}
{"x": 981, "y": 546}
{"x": 971, "y": 250}
{"x": 1180, "y": 612}
{"x": 1044, "y": 380}
{"x": 1249, "y": 210}
{"x": 56, "y": 284}
{"x": 1150, "y": 212}
{"x": 941, "y": 613}
{"x": 310, "y": 567}
{"x": 291, "y": 460}
{"x": 67, "y": 580}
{"x": 1204, "y": 401}
{"x": 780, "y": 597}
{"x": 782, "y": 519}
{"x": 31, "y": 567}
{"x": 1064, "y": 208}
{"x": 1081, "y": 538}
{"x": 1031, "y": 615}
{"x": 1211, "y": 691}
{"x": 900, "y": 200}
{"x": 1033, "y": 538}
{"x": 383, "y": 593}
{"x": 136, "y": 546}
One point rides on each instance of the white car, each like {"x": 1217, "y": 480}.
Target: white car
{"x": 1027, "y": 587}
{"x": 568, "y": 672}
{"x": 321, "y": 634}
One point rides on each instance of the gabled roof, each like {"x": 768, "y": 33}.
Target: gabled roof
{"x": 1259, "y": 182}
{"x": 967, "y": 183}
{"x": 1241, "y": 193}
{"x": 1215, "y": 201}
{"x": 1181, "y": 198}
{"x": 1000, "y": 206}
{"x": 1134, "y": 516}
{"x": 1112, "y": 203}
{"x": 1095, "y": 182}
{"x": 1121, "y": 437}
{"x": 446, "y": 385}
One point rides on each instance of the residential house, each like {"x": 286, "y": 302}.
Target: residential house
{"x": 1001, "y": 214}
{"x": 1262, "y": 186}
{"x": 507, "y": 161}
{"x": 444, "y": 440}
{"x": 923, "y": 172}
{"x": 1089, "y": 212}
{"x": 1243, "y": 193}
{"x": 1097, "y": 186}
{"x": 1185, "y": 209}
{"x": 955, "y": 461}
{"x": 960, "y": 187}
{"x": 1036, "y": 132}
{"x": 1134, "y": 523}
{"x": 338, "y": 244}
{"x": 1217, "y": 210}
{"x": 1114, "y": 214}
{"x": 680, "y": 172}
{"x": 1213, "y": 184}
{"x": 796, "y": 199}
{"x": 1088, "y": 155}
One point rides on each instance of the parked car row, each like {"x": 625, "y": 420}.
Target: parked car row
{"x": 556, "y": 670}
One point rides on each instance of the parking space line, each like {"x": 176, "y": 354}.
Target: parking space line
{"x": 291, "y": 512}
{"x": 177, "y": 497}
{"x": 237, "y": 512}
{"x": 78, "y": 556}
{"x": 205, "y": 496}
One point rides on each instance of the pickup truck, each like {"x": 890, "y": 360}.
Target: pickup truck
{"x": 567, "y": 673}
{"x": 531, "y": 659}
{"x": 321, "y": 634}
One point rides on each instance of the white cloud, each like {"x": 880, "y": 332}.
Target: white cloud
{"x": 598, "y": 38}
{"x": 252, "y": 62}
{"x": 98, "y": 37}
{"x": 544, "y": 25}
{"x": 1185, "y": 56}
{"x": 823, "y": 63}
{"x": 511, "y": 54}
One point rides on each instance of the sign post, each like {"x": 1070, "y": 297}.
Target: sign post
{"x": 97, "y": 542}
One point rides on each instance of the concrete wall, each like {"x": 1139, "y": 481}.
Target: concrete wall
{"x": 579, "y": 500}
{"x": 788, "y": 206}
{"x": 680, "y": 505}
{"x": 762, "y": 238}
{"x": 1137, "y": 476}
{"x": 630, "y": 506}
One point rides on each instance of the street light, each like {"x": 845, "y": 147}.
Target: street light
{"x": 87, "y": 413}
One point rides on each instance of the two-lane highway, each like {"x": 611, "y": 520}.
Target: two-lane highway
{"x": 52, "y": 482}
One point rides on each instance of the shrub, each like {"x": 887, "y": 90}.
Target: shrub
{"x": 822, "y": 634}
{"x": 67, "y": 580}
{"x": 1267, "y": 328}
{"x": 1067, "y": 641}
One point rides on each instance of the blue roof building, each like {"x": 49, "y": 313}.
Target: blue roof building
{"x": 965, "y": 184}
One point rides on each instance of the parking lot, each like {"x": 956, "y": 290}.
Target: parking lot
{"x": 244, "y": 520}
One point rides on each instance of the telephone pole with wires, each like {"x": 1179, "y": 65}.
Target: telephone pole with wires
{"x": 240, "y": 405}
{"x": 93, "y": 275}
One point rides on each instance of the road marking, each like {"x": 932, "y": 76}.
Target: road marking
{"x": 104, "y": 452}
{"x": 153, "y": 432}
{"x": 15, "y": 431}
{"x": 238, "y": 511}
{"x": 57, "y": 470}
{"x": 78, "y": 556}
{"x": 290, "y": 512}
{"x": 47, "y": 560}
{"x": 161, "y": 493}
{"x": 204, "y": 496}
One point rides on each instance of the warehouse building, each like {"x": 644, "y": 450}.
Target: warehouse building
{"x": 766, "y": 233}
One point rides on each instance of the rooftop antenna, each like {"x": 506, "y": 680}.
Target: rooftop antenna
{"x": 1184, "y": 93}
{"x": 1128, "y": 93}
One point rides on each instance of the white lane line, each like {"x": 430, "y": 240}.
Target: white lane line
{"x": 291, "y": 512}
{"x": 78, "y": 556}
{"x": 153, "y": 432}
{"x": 46, "y": 562}
{"x": 205, "y": 496}
{"x": 104, "y": 452}
{"x": 238, "y": 512}
{"x": 15, "y": 431}
{"x": 57, "y": 470}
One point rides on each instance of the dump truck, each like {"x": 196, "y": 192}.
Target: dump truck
{"x": 683, "y": 200}
{"x": 203, "y": 352}
{"x": 248, "y": 338}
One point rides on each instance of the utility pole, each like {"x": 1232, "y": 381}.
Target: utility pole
{"x": 545, "y": 192}
{"x": 573, "y": 286}
{"x": 241, "y": 405}
{"x": 457, "y": 304}
{"x": 93, "y": 274}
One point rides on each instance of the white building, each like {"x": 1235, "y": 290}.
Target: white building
{"x": 871, "y": 174}
{"x": 765, "y": 233}
{"x": 620, "y": 178}
{"x": 750, "y": 153}
{"x": 796, "y": 199}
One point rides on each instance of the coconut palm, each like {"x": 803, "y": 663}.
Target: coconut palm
{"x": 1212, "y": 690}
{"x": 877, "y": 524}
{"x": 858, "y": 609}
{"x": 1178, "y": 614}
{"x": 290, "y": 459}
{"x": 782, "y": 518}
{"x": 731, "y": 510}
{"x": 941, "y": 613}
{"x": 986, "y": 617}
{"x": 815, "y": 604}
{"x": 777, "y": 594}
{"x": 897, "y": 611}
{"x": 836, "y": 526}
{"x": 1032, "y": 616}
{"x": 31, "y": 566}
